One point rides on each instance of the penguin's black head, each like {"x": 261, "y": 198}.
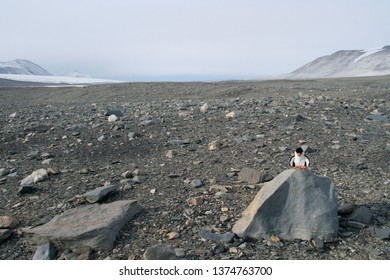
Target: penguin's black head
{"x": 299, "y": 150}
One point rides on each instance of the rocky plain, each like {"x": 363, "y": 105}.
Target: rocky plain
{"x": 177, "y": 152}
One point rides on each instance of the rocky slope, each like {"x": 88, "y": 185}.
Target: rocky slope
{"x": 346, "y": 63}
{"x": 172, "y": 143}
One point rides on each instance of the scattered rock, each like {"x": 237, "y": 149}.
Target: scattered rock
{"x": 253, "y": 176}
{"x": 361, "y": 215}
{"x": 115, "y": 112}
{"x": 35, "y": 177}
{"x": 4, "y": 234}
{"x": 99, "y": 193}
{"x": 382, "y": 233}
{"x": 112, "y": 118}
{"x": 46, "y": 251}
{"x": 4, "y": 172}
{"x": 215, "y": 145}
{"x": 219, "y": 238}
{"x": 196, "y": 183}
{"x": 8, "y": 222}
{"x": 160, "y": 252}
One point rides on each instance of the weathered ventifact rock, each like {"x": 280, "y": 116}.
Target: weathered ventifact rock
{"x": 296, "y": 204}
{"x": 93, "y": 226}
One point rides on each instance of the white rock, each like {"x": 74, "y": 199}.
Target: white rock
{"x": 204, "y": 108}
{"x": 112, "y": 118}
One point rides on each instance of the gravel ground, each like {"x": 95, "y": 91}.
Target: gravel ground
{"x": 163, "y": 139}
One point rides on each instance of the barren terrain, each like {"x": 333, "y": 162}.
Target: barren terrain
{"x": 163, "y": 138}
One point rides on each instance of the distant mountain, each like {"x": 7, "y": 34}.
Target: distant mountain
{"x": 20, "y": 72}
{"x": 346, "y": 63}
{"x": 22, "y": 67}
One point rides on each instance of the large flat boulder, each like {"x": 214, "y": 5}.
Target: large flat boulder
{"x": 296, "y": 204}
{"x": 93, "y": 226}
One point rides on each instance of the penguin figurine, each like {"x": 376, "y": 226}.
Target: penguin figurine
{"x": 299, "y": 159}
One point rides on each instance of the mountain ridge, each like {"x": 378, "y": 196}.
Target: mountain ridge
{"x": 22, "y": 67}
{"x": 25, "y": 72}
{"x": 346, "y": 63}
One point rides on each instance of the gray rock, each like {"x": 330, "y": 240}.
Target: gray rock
{"x": 138, "y": 179}
{"x": 382, "y": 233}
{"x": 99, "y": 193}
{"x": 378, "y": 117}
{"x": 132, "y": 135}
{"x": 196, "y": 183}
{"x": 4, "y": 234}
{"x": 253, "y": 176}
{"x": 46, "y": 251}
{"x": 249, "y": 175}
{"x": 346, "y": 209}
{"x": 35, "y": 177}
{"x": 361, "y": 215}
{"x": 4, "y": 172}
{"x": 115, "y": 112}
{"x": 296, "y": 204}
{"x": 94, "y": 226}
{"x": 160, "y": 252}
{"x": 8, "y": 222}
{"x": 220, "y": 238}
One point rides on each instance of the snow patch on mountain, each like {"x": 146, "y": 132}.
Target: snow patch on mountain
{"x": 367, "y": 53}
{"x": 23, "y": 67}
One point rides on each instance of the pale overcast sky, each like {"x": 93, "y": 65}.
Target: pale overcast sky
{"x": 144, "y": 40}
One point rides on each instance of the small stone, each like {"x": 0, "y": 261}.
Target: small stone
{"x": 4, "y": 172}
{"x": 361, "y": 215}
{"x": 223, "y": 218}
{"x": 169, "y": 154}
{"x": 180, "y": 252}
{"x": 160, "y": 252}
{"x": 218, "y": 189}
{"x": 127, "y": 174}
{"x": 37, "y": 176}
{"x": 382, "y": 233}
{"x": 195, "y": 201}
{"x": 47, "y": 161}
{"x": 214, "y": 145}
{"x": 8, "y": 222}
{"x": 99, "y": 193}
{"x": 45, "y": 252}
{"x": 231, "y": 115}
{"x": 115, "y": 112}
{"x": 112, "y": 118}
{"x": 173, "y": 235}
{"x": 220, "y": 238}
{"x": 204, "y": 108}
{"x": 196, "y": 183}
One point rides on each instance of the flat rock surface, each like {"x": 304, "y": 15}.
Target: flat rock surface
{"x": 66, "y": 130}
